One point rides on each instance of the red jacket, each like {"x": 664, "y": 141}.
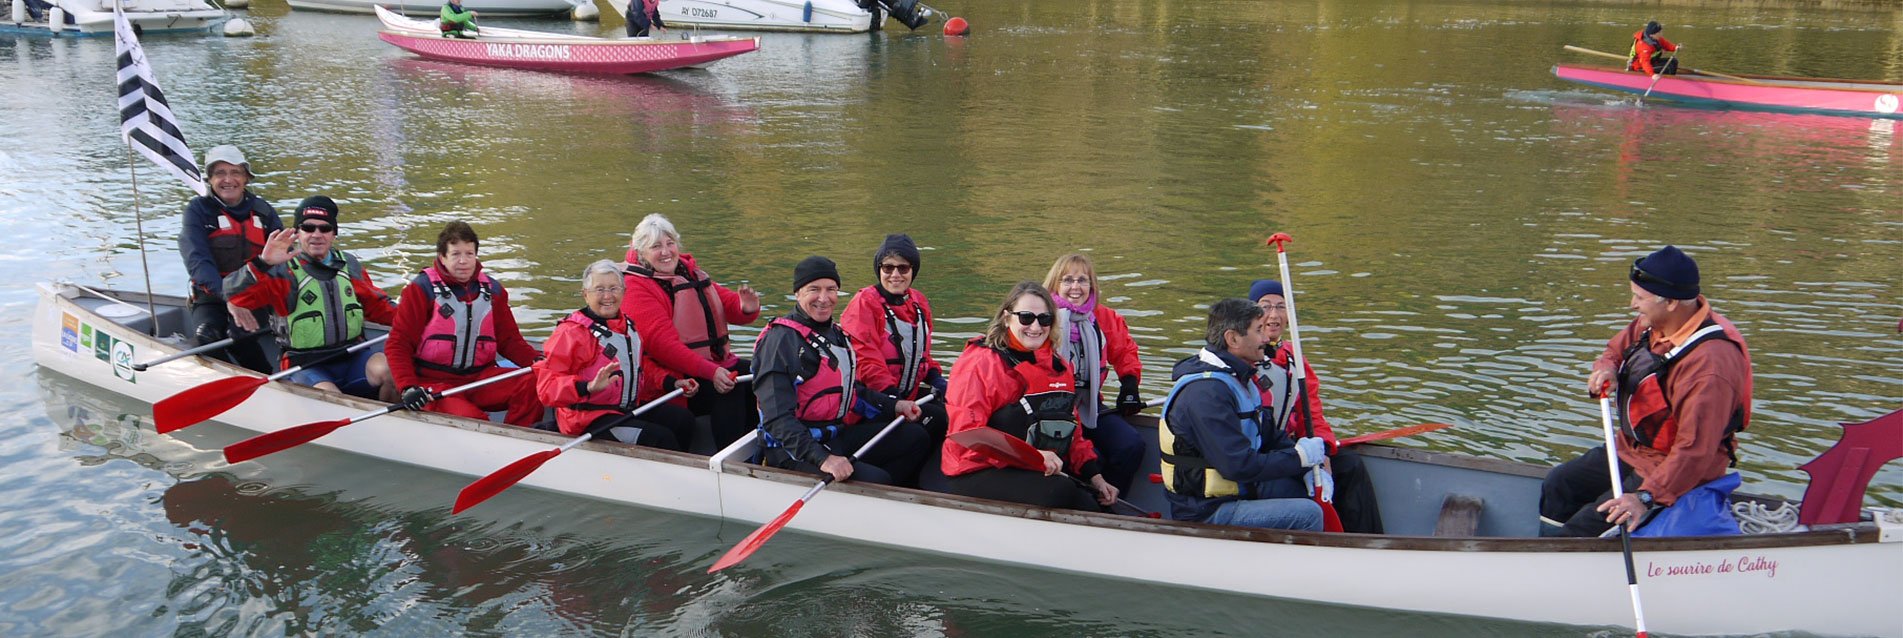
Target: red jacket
{"x": 981, "y": 383}
{"x": 413, "y": 310}
{"x": 864, "y": 321}
{"x": 1294, "y": 426}
{"x": 1642, "y": 52}
{"x": 559, "y": 381}
{"x": 653, "y": 313}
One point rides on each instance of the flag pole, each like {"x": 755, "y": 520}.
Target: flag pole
{"x": 138, "y": 226}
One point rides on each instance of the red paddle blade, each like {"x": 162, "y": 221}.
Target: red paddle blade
{"x": 753, "y": 541}
{"x": 1841, "y": 475}
{"x": 499, "y": 480}
{"x": 1394, "y": 433}
{"x": 199, "y": 404}
{"x": 1331, "y": 520}
{"x": 1000, "y": 447}
{"x": 273, "y": 442}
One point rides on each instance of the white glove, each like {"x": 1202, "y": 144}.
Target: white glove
{"x": 1313, "y": 450}
{"x": 1319, "y": 477}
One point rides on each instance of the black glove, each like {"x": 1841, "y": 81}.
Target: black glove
{"x": 415, "y": 397}
{"x": 1128, "y": 403}
{"x": 938, "y": 382}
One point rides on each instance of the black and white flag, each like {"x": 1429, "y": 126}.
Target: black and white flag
{"x": 145, "y": 121}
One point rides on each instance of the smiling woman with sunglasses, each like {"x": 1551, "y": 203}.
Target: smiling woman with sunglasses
{"x": 1013, "y": 379}
{"x": 891, "y": 321}
{"x": 1094, "y": 339}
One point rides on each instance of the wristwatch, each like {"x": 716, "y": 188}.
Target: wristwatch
{"x": 1645, "y": 498}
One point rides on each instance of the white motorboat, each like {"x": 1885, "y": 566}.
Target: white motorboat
{"x": 1828, "y": 579}
{"x": 94, "y": 17}
{"x": 841, "y": 16}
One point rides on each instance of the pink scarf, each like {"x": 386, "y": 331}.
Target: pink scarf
{"x": 1088, "y": 309}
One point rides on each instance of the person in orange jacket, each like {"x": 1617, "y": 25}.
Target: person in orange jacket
{"x": 891, "y": 322}
{"x": 452, "y": 322}
{"x": 1095, "y": 341}
{"x": 1648, "y": 52}
{"x": 1013, "y": 379}
{"x": 595, "y": 372}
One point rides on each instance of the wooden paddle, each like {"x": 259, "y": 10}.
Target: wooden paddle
{"x": 1331, "y": 520}
{"x": 1625, "y": 535}
{"x": 1013, "y": 451}
{"x": 1687, "y": 69}
{"x": 759, "y": 537}
{"x": 273, "y": 442}
{"x": 499, "y": 480}
{"x": 204, "y": 401}
{"x": 209, "y": 347}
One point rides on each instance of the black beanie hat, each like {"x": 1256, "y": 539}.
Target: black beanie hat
{"x": 812, "y": 268}
{"x": 899, "y": 245}
{"x": 1653, "y": 27}
{"x": 317, "y": 207}
{"x": 1667, "y": 272}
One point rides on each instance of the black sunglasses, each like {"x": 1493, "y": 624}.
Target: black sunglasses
{"x": 1025, "y": 317}
{"x": 895, "y": 268}
{"x": 317, "y": 228}
{"x": 1639, "y": 275}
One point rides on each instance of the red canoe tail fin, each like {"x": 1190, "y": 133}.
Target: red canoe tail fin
{"x": 1839, "y": 476}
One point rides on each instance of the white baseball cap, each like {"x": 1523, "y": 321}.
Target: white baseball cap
{"x": 228, "y": 154}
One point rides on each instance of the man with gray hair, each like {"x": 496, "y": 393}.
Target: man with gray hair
{"x": 1221, "y": 465}
{"x": 220, "y": 233}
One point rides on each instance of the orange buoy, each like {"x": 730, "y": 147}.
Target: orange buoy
{"x": 956, "y": 26}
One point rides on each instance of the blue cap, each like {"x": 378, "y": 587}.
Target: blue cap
{"x": 1667, "y": 272}
{"x": 1264, "y": 287}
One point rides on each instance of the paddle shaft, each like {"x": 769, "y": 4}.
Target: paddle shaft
{"x": 1622, "y": 58}
{"x": 209, "y": 347}
{"x": 643, "y": 410}
{"x": 1659, "y": 76}
{"x": 294, "y": 370}
{"x": 1299, "y": 394}
{"x": 442, "y": 395}
{"x": 1625, "y": 535}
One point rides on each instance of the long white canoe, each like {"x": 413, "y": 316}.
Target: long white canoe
{"x": 1839, "y": 580}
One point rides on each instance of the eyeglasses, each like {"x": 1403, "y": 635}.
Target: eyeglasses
{"x": 605, "y": 290}
{"x": 1025, "y": 317}
{"x": 901, "y": 269}
{"x": 317, "y": 228}
{"x": 1280, "y": 307}
{"x": 1074, "y": 281}
{"x": 1639, "y": 275}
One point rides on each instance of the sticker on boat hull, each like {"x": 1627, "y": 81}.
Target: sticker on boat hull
{"x": 1886, "y": 103}
{"x": 112, "y": 351}
{"x": 69, "y": 332}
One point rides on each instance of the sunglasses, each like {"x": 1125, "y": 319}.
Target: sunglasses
{"x": 317, "y": 228}
{"x": 901, "y": 269}
{"x": 1639, "y": 275}
{"x": 1025, "y": 317}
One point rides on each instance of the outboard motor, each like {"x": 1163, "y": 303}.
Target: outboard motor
{"x": 910, "y": 13}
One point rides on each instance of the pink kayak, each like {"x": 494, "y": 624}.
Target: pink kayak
{"x": 1839, "y": 97}
{"x": 557, "y": 52}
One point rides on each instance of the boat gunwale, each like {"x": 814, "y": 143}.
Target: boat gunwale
{"x": 1846, "y": 534}
{"x": 1774, "y": 81}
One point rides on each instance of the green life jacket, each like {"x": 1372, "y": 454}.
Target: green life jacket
{"x": 325, "y": 312}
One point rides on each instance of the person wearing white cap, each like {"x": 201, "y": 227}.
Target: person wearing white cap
{"x": 221, "y": 232}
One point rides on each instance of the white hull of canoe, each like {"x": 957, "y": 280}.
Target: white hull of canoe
{"x": 1829, "y": 586}
{"x": 837, "y": 16}
{"x": 492, "y": 8}
{"x": 94, "y": 17}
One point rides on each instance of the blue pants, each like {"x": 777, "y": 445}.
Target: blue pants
{"x": 346, "y": 371}
{"x": 1271, "y": 513}
{"x": 1119, "y": 449}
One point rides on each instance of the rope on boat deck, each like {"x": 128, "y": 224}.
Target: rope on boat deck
{"x": 1755, "y": 518}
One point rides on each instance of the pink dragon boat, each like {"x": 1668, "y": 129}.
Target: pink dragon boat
{"x": 1837, "y": 97}
{"x": 557, "y": 52}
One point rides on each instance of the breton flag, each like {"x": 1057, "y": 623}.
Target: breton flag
{"x": 145, "y": 121}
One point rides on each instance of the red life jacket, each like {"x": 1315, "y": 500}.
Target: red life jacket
{"x": 907, "y": 348}
{"x": 624, "y": 347}
{"x": 823, "y": 389}
{"x": 461, "y": 336}
{"x": 699, "y": 316}
{"x": 1046, "y": 415}
{"x": 235, "y": 241}
{"x": 1645, "y": 413}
